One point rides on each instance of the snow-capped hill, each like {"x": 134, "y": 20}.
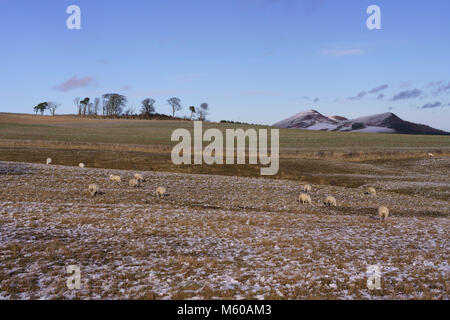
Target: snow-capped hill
{"x": 378, "y": 123}
{"x": 378, "y": 120}
{"x": 337, "y": 118}
{"x": 310, "y": 119}
{"x": 381, "y": 123}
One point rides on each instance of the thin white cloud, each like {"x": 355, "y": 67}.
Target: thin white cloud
{"x": 359, "y": 96}
{"x": 158, "y": 93}
{"x": 75, "y": 82}
{"x": 407, "y": 94}
{"x": 379, "y": 88}
{"x": 343, "y": 52}
{"x": 260, "y": 93}
{"x": 431, "y": 105}
{"x": 187, "y": 77}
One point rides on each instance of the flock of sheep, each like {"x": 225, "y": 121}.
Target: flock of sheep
{"x": 135, "y": 182}
{"x": 304, "y": 197}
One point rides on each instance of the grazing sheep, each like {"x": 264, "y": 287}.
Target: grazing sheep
{"x": 160, "y": 192}
{"x": 371, "y": 191}
{"x": 304, "y": 198}
{"x": 330, "y": 202}
{"x": 115, "y": 178}
{"x": 139, "y": 177}
{"x": 134, "y": 183}
{"x": 430, "y": 154}
{"x": 306, "y": 188}
{"x": 383, "y": 213}
{"x": 49, "y": 160}
{"x": 94, "y": 189}
{"x": 81, "y": 165}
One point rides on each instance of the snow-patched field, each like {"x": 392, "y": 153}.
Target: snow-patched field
{"x": 216, "y": 237}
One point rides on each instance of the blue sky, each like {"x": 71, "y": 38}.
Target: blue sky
{"x": 256, "y": 61}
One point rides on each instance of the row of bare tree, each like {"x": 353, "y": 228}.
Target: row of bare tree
{"x": 113, "y": 104}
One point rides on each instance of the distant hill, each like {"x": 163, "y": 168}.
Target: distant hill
{"x": 378, "y": 123}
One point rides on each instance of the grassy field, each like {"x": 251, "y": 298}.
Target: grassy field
{"x": 331, "y": 158}
{"x": 72, "y": 129}
{"x": 222, "y": 231}
{"x": 146, "y": 145}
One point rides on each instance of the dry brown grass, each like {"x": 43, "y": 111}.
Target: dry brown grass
{"x": 218, "y": 235}
{"x": 214, "y": 237}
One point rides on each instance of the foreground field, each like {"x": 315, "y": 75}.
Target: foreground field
{"x": 224, "y": 237}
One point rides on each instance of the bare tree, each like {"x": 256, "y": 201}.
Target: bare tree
{"x": 175, "y": 103}
{"x": 192, "y": 109}
{"x": 203, "y": 111}
{"x": 113, "y": 104}
{"x": 77, "y": 103}
{"x": 105, "y": 106}
{"x": 52, "y": 106}
{"x": 85, "y": 103}
{"x": 90, "y": 108}
{"x": 148, "y": 107}
{"x": 130, "y": 111}
{"x": 41, "y": 107}
{"x": 96, "y": 105}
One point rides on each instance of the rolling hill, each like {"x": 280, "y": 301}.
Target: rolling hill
{"x": 378, "y": 123}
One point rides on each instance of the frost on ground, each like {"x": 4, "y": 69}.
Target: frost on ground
{"x": 216, "y": 237}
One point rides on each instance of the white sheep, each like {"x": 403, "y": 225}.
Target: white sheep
{"x": 306, "y": 188}
{"x": 371, "y": 191}
{"x": 139, "y": 177}
{"x": 81, "y": 165}
{"x": 304, "y": 198}
{"x": 49, "y": 160}
{"x": 430, "y": 155}
{"x": 94, "y": 189}
{"x": 160, "y": 192}
{"x": 330, "y": 202}
{"x": 134, "y": 183}
{"x": 115, "y": 178}
{"x": 383, "y": 213}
